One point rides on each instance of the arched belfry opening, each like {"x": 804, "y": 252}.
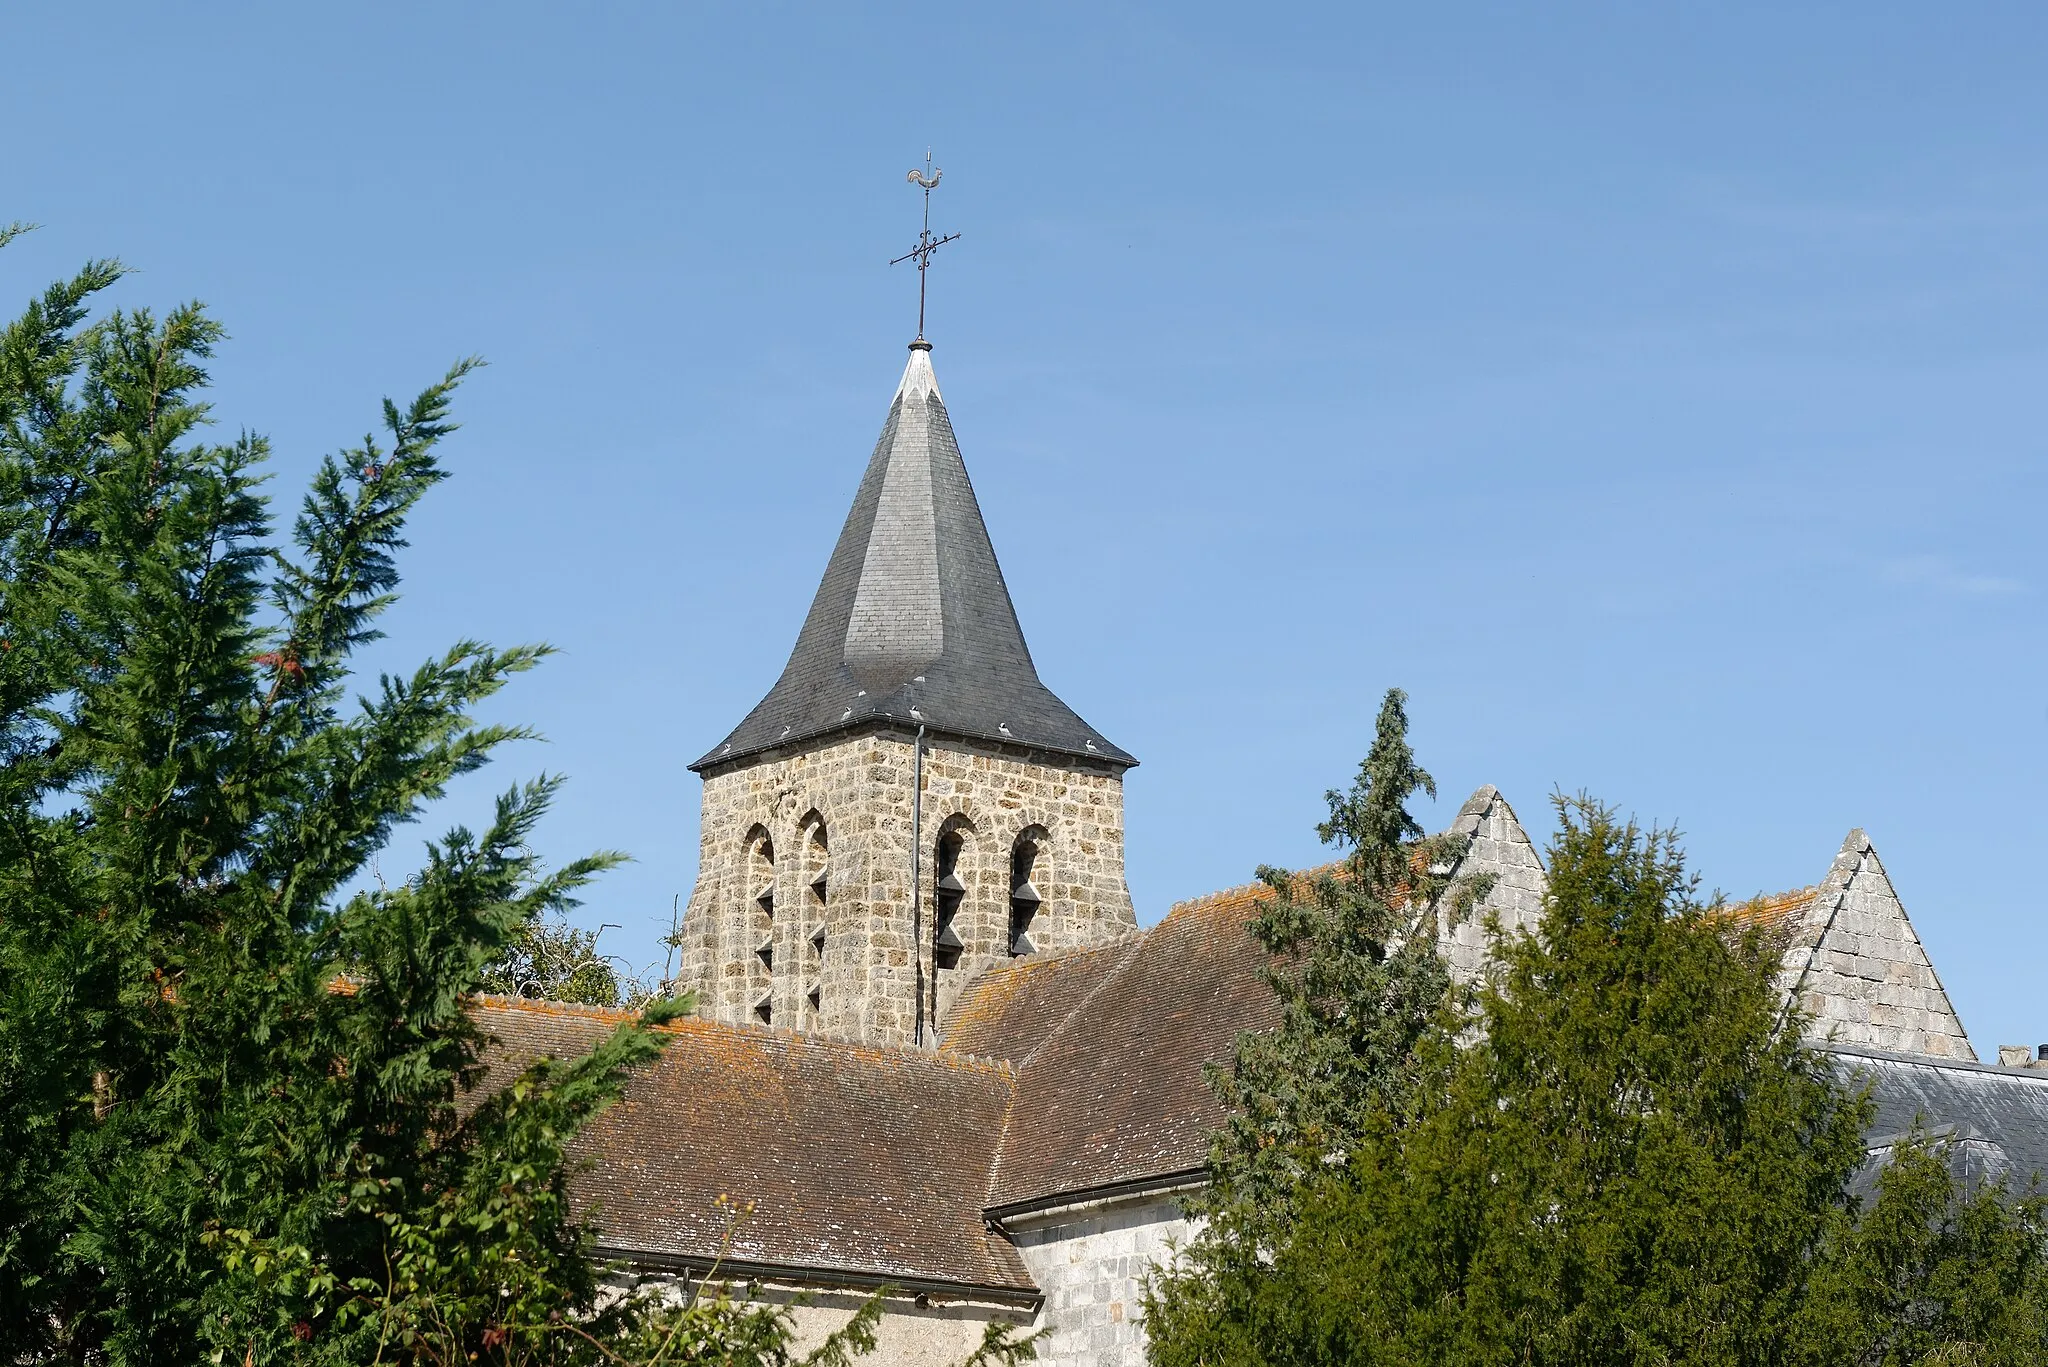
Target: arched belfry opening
{"x": 958, "y": 939}
{"x": 949, "y": 895}
{"x": 1026, "y": 857}
{"x": 814, "y": 929}
{"x": 910, "y": 683}
{"x": 759, "y": 890}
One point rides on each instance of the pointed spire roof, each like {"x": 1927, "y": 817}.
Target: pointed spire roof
{"x": 913, "y": 623}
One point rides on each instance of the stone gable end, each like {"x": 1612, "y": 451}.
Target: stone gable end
{"x": 1858, "y": 971}
{"x": 1500, "y": 850}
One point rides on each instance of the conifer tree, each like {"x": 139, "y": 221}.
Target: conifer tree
{"x": 1631, "y": 1159}
{"x": 232, "y": 1113}
{"x": 239, "y": 1113}
{"x": 1357, "y": 977}
{"x": 1934, "y": 1271}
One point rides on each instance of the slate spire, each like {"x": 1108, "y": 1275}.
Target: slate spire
{"x": 913, "y": 623}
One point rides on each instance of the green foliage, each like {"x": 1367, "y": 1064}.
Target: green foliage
{"x": 1358, "y": 979}
{"x": 1625, "y": 1156}
{"x": 555, "y": 961}
{"x": 1932, "y": 1273}
{"x": 239, "y": 1112}
{"x": 234, "y": 1111}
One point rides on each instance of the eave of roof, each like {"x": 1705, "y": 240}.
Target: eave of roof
{"x": 912, "y": 623}
{"x": 867, "y": 1159}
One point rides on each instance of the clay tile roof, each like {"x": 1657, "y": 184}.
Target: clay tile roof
{"x": 857, "y": 1159}
{"x": 1008, "y": 1011}
{"x": 1114, "y": 1093}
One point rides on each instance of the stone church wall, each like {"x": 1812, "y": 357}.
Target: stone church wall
{"x": 1500, "y": 849}
{"x": 1858, "y": 971}
{"x": 915, "y": 1331}
{"x": 936, "y": 1334}
{"x": 844, "y": 809}
{"x": 1091, "y": 1263}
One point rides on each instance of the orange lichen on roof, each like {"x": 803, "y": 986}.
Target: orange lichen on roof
{"x": 858, "y": 1157}
{"x": 1250, "y": 897}
{"x": 1008, "y": 1008}
{"x": 610, "y": 1015}
{"x": 737, "y": 1042}
{"x": 1247, "y": 898}
{"x": 1778, "y": 913}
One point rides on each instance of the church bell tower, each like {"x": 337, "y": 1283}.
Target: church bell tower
{"x": 908, "y": 804}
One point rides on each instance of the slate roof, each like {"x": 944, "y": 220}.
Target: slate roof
{"x": 1995, "y": 1119}
{"x": 913, "y": 622}
{"x": 858, "y": 1160}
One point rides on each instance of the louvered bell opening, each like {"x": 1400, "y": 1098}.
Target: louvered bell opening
{"x": 818, "y": 886}
{"x": 765, "y": 952}
{"x": 947, "y": 893}
{"x": 1024, "y": 902}
{"x": 1021, "y": 914}
{"x": 818, "y": 940}
{"x": 764, "y": 1011}
{"x": 947, "y": 945}
{"x": 816, "y": 997}
{"x": 765, "y": 899}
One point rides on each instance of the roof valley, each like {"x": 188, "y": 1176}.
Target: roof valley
{"x": 1129, "y": 945}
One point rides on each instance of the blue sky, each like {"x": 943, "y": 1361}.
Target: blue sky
{"x": 1655, "y": 392}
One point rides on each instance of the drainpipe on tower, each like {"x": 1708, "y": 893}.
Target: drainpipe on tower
{"x": 917, "y": 885}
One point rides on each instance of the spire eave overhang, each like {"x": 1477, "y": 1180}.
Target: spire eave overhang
{"x": 912, "y": 623}
{"x": 1103, "y": 752}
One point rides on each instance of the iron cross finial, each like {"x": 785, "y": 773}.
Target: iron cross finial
{"x": 926, "y": 243}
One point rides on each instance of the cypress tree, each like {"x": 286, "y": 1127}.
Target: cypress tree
{"x": 1932, "y": 1271}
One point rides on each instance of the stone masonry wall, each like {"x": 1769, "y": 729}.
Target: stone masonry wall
{"x": 1855, "y": 965}
{"x": 1091, "y": 1265}
{"x": 1501, "y": 849}
{"x": 844, "y": 808}
{"x": 1859, "y": 971}
{"x": 915, "y": 1331}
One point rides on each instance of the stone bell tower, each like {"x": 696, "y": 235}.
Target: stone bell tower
{"x": 908, "y": 804}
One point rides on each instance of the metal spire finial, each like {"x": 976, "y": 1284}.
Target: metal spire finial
{"x": 926, "y": 243}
